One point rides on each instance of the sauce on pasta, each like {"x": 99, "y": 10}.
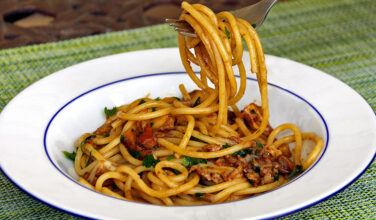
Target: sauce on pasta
{"x": 200, "y": 148}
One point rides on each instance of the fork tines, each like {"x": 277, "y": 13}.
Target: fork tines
{"x": 182, "y": 27}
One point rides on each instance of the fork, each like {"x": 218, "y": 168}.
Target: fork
{"x": 255, "y": 14}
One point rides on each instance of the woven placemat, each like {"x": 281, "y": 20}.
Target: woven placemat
{"x": 336, "y": 36}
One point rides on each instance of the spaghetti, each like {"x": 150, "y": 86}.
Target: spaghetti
{"x": 194, "y": 150}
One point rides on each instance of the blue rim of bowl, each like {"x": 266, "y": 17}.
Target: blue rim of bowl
{"x": 171, "y": 73}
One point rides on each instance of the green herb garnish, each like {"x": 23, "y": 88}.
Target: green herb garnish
{"x": 253, "y": 111}
{"x": 298, "y": 169}
{"x": 227, "y": 33}
{"x": 199, "y": 195}
{"x": 276, "y": 177}
{"x": 149, "y": 161}
{"x": 153, "y": 109}
{"x": 157, "y": 99}
{"x": 70, "y": 156}
{"x": 170, "y": 157}
{"x": 109, "y": 112}
{"x": 151, "y": 124}
{"x": 254, "y": 25}
{"x": 106, "y": 135}
{"x": 88, "y": 161}
{"x": 258, "y": 144}
{"x": 197, "y": 102}
{"x": 177, "y": 98}
{"x": 226, "y": 146}
{"x": 141, "y": 102}
{"x": 190, "y": 161}
{"x": 196, "y": 139}
{"x": 251, "y": 182}
{"x": 84, "y": 141}
{"x": 122, "y": 138}
{"x": 176, "y": 171}
{"x": 243, "y": 152}
{"x": 135, "y": 154}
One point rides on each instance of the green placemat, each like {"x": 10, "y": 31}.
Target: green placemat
{"x": 336, "y": 36}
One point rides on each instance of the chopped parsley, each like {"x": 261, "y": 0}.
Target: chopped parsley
{"x": 141, "y": 102}
{"x": 226, "y": 146}
{"x": 251, "y": 182}
{"x": 149, "y": 161}
{"x": 298, "y": 169}
{"x": 227, "y": 33}
{"x": 258, "y": 144}
{"x": 255, "y": 168}
{"x": 109, "y": 112}
{"x": 199, "y": 195}
{"x": 157, "y": 99}
{"x": 106, "y": 135}
{"x": 243, "y": 152}
{"x": 177, "y": 98}
{"x": 70, "y": 156}
{"x": 197, "y": 102}
{"x": 122, "y": 138}
{"x": 190, "y": 161}
{"x": 153, "y": 109}
{"x": 135, "y": 154}
{"x": 88, "y": 161}
{"x": 170, "y": 157}
{"x": 176, "y": 171}
{"x": 84, "y": 141}
{"x": 276, "y": 177}
{"x": 196, "y": 139}
{"x": 151, "y": 124}
{"x": 254, "y": 25}
{"x": 253, "y": 111}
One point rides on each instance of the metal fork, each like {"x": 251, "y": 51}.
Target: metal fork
{"x": 255, "y": 14}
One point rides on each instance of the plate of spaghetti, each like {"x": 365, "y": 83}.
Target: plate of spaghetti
{"x": 219, "y": 133}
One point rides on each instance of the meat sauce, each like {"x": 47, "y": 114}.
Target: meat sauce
{"x": 256, "y": 164}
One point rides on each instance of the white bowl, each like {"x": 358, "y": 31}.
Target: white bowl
{"x": 49, "y": 116}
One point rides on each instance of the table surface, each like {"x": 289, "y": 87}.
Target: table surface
{"x": 27, "y": 22}
{"x": 335, "y": 36}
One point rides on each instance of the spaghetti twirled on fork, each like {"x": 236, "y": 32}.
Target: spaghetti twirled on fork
{"x": 195, "y": 150}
